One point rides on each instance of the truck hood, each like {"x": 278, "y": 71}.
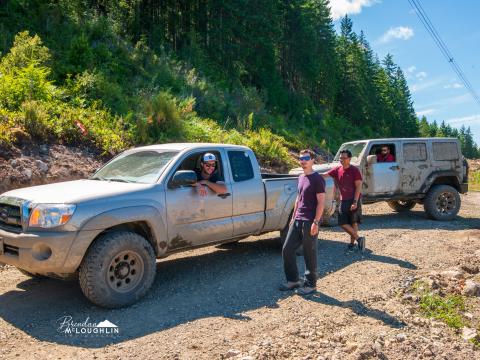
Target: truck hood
{"x": 322, "y": 168}
{"x": 74, "y": 192}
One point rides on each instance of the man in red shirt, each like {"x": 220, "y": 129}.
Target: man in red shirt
{"x": 385, "y": 155}
{"x": 349, "y": 181}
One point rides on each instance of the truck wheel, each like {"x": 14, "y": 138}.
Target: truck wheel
{"x": 118, "y": 269}
{"x": 400, "y": 206}
{"x": 442, "y": 202}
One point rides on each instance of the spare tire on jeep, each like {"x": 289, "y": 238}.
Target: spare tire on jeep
{"x": 442, "y": 202}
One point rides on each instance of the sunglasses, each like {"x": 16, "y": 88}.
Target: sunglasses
{"x": 305, "y": 158}
{"x": 209, "y": 165}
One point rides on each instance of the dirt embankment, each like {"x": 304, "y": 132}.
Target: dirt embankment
{"x": 41, "y": 164}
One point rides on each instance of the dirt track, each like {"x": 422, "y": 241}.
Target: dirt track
{"x": 222, "y": 302}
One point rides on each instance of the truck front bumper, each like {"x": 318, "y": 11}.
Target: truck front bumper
{"x": 41, "y": 252}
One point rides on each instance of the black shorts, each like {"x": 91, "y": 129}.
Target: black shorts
{"x": 345, "y": 216}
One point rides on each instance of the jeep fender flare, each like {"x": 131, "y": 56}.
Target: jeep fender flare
{"x": 439, "y": 174}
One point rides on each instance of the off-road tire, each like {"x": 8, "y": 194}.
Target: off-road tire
{"x": 442, "y": 202}
{"x": 401, "y": 206}
{"x": 95, "y": 274}
{"x": 332, "y": 220}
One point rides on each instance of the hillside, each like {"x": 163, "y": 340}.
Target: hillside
{"x": 272, "y": 75}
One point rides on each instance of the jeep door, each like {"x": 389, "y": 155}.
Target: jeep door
{"x": 382, "y": 178}
{"x": 415, "y": 166}
{"x": 193, "y": 219}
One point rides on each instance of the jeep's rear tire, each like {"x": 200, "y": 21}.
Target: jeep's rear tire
{"x": 442, "y": 202}
{"x": 118, "y": 269}
{"x": 401, "y": 206}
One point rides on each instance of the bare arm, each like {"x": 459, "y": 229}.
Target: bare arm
{"x": 218, "y": 187}
{"x": 358, "y": 190}
{"x": 318, "y": 213}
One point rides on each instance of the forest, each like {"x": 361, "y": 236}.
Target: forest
{"x": 270, "y": 74}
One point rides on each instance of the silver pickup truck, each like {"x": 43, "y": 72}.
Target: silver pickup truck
{"x": 110, "y": 229}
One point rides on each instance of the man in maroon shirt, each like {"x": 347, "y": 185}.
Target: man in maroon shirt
{"x": 303, "y": 229}
{"x": 385, "y": 155}
{"x": 349, "y": 181}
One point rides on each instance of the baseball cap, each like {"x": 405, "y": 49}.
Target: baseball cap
{"x": 209, "y": 157}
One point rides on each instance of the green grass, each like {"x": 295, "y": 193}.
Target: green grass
{"x": 474, "y": 181}
{"x": 447, "y": 308}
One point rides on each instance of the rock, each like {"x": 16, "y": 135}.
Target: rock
{"x": 41, "y": 165}
{"x": 471, "y": 288}
{"x": 468, "y": 333}
{"x": 232, "y": 353}
{"x": 247, "y": 358}
{"x": 401, "y": 337}
{"x": 14, "y": 163}
{"x": 43, "y": 149}
{"x": 452, "y": 274}
{"x": 28, "y": 173}
{"x": 351, "y": 347}
{"x": 470, "y": 268}
{"x": 468, "y": 315}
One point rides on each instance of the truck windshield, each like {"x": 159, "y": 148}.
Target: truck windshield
{"x": 138, "y": 167}
{"x": 355, "y": 148}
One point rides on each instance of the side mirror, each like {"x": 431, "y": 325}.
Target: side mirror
{"x": 183, "y": 178}
{"x": 371, "y": 159}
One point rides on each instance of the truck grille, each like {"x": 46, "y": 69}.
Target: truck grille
{"x": 10, "y": 218}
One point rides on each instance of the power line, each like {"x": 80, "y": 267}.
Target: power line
{"x": 443, "y": 48}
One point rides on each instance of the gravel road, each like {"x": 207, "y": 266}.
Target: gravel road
{"x": 222, "y": 302}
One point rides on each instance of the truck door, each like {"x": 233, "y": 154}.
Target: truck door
{"x": 415, "y": 167}
{"x": 382, "y": 176}
{"x": 193, "y": 219}
{"x": 248, "y": 193}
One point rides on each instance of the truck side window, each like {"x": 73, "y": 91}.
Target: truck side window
{"x": 445, "y": 151}
{"x": 414, "y": 152}
{"x": 241, "y": 165}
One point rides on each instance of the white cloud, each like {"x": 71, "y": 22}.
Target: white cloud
{"x": 466, "y": 120}
{"x": 340, "y": 8}
{"x": 399, "y": 32}
{"x": 426, "y": 112}
{"x": 455, "y": 85}
{"x": 424, "y": 85}
{"x": 411, "y": 69}
{"x": 421, "y": 75}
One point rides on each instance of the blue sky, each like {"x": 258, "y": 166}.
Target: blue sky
{"x": 392, "y": 26}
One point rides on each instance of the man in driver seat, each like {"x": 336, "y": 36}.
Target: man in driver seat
{"x": 207, "y": 176}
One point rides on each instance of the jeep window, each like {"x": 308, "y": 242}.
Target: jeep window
{"x": 355, "y": 148}
{"x": 414, "y": 151}
{"x": 445, "y": 151}
{"x": 138, "y": 167}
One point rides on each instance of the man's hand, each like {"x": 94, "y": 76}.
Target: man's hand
{"x": 201, "y": 189}
{"x": 353, "y": 207}
{"x": 314, "y": 229}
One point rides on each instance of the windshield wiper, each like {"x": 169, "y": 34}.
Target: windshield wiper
{"x": 96, "y": 178}
{"x": 118, "y": 180}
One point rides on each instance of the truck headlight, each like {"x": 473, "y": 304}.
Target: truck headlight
{"x": 50, "y": 215}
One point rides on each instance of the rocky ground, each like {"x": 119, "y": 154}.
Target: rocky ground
{"x": 222, "y": 302}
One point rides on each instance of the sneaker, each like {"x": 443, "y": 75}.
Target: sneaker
{"x": 289, "y": 286}
{"x": 350, "y": 248}
{"x": 361, "y": 243}
{"x": 305, "y": 290}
